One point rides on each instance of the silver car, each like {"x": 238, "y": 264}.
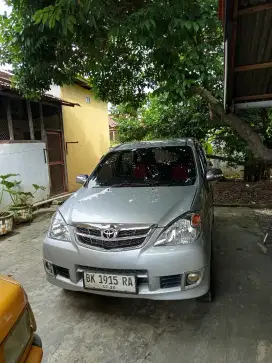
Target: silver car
{"x": 141, "y": 225}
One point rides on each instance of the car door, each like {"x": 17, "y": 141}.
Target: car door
{"x": 208, "y": 185}
{"x": 207, "y": 199}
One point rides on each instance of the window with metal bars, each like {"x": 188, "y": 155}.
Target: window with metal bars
{"x": 20, "y": 120}
{"x": 4, "y": 130}
{"x": 52, "y": 117}
{"x": 36, "y": 117}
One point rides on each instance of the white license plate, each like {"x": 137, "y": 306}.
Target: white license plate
{"x": 110, "y": 282}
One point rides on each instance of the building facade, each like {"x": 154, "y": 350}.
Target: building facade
{"x": 51, "y": 141}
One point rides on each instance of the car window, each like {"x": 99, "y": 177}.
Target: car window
{"x": 173, "y": 165}
{"x": 203, "y": 160}
{"x": 126, "y": 163}
{"x": 108, "y": 170}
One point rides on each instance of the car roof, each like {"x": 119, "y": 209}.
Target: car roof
{"x": 154, "y": 143}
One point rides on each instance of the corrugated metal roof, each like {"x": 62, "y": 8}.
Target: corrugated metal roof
{"x": 5, "y": 86}
{"x": 248, "y": 56}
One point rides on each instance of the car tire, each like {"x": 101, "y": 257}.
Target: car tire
{"x": 209, "y": 296}
{"x": 37, "y": 342}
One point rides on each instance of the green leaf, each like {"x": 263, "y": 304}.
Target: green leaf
{"x": 7, "y": 176}
{"x": 195, "y": 26}
{"x": 152, "y": 21}
{"x": 188, "y": 24}
{"x": 72, "y": 19}
{"x": 57, "y": 15}
{"x": 45, "y": 17}
{"x": 26, "y": 194}
{"x": 37, "y": 187}
{"x": 10, "y": 184}
{"x": 11, "y": 192}
{"x": 52, "y": 22}
{"x": 70, "y": 27}
{"x": 37, "y": 17}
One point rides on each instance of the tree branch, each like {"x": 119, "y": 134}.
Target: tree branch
{"x": 226, "y": 159}
{"x": 254, "y": 141}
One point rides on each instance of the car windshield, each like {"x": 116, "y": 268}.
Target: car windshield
{"x": 158, "y": 166}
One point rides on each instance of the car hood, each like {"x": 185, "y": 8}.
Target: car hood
{"x": 140, "y": 205}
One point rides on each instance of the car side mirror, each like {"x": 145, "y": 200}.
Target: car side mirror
{"x": 82, "y": 178}
{"x": 214, "y": 174}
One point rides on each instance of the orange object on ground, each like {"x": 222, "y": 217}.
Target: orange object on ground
{"x": 18, "y": 340}
{"x": 35, "y": 355}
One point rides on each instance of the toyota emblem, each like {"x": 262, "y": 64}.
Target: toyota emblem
{"x": 109, "y": 233}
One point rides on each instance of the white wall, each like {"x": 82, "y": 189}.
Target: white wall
{"x": 228, "y": 171}
{"x": 26, "y": 159}
{"x": 54, "y": 91}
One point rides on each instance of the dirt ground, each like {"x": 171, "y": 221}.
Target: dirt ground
{"x": 243, "y": 193}
{"x": 236, "y": 328}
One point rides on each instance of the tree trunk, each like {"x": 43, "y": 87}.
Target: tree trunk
{"x": 255, "y": 170}
{"x": 253, "y": 140}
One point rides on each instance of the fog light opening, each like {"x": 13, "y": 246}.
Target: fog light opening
{"x": 192, "y": 278}
{"x": 49, "y": 268}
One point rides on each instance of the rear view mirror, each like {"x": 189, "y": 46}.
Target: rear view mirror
{"x": 214, "y": 174}
{"x": 82, "y": 178}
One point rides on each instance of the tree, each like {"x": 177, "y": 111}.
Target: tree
{"x": 157, "y": 118}
{"x": 235, "y": 148}
{"x": 124, "y": 48}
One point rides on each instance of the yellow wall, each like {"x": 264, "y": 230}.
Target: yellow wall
{"x": 87, "y": 124}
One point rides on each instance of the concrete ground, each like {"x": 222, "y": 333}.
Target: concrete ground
{"x": 76, "y": 327}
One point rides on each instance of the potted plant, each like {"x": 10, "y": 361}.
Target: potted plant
{"x": 6, "y": 216}
{"x": 21, "y": 207}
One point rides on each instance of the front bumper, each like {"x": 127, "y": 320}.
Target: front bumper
{"x": 152, "y": 265}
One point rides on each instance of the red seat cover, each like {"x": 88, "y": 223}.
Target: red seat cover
{"x": 179, "y": 172}
{"x": 139, "y": 171}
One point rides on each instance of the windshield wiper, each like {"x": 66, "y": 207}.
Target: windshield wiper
{"x": 123, "y": 184}
{"x": 145, "y": 183}
{"x": 128, "y": 184}
{"x": 153, "y": 183}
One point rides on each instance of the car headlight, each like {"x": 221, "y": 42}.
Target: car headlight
{"x": 58, "y": 228}
{"x": 181, "y": 232}
{"x": 18, "y": 339}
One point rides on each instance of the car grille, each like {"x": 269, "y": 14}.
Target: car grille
{"x": 125, "y": 238}
{"x": 170, "y": 281}
{"x": 134, "y": 232}
{"x": 64, "y": 272}
{"x": 89, "y": 231}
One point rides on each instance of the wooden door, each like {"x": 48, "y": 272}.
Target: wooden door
{"x": 56, "y": 161}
